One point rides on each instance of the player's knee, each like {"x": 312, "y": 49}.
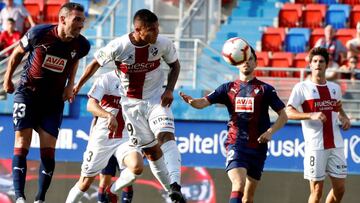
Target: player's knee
{"x": 339, "y": 192}
{"x": 317, "y": 193}
{"x": 165, "y": 136}
{"x": 248, "y": 200}
{"x": 138, "y": 169}
{"x": 84, "y": 184}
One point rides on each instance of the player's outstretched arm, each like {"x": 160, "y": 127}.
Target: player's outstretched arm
{"x": 89, "y": 71}
{"x": 198, "y": 103}
{"x": 13, "y": 63}
{"x": 279, "y": 123}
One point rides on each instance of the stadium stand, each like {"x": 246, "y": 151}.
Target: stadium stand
{"x": 297, "y": 40}
{"x": 300, "y": 62}
{"x": 354, "y": 16}
{"x": 272, "y": 39}
{"x": 316, "y": 34}
{"x": 345, "y": 34}
{"x": 337, "y": 15}
{"x": 281, "y": 60}
{"x": 314, "y": 15}
{"x": 290, "y": 15}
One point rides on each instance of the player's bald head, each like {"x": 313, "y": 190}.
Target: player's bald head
{"x": 68, "y": 7}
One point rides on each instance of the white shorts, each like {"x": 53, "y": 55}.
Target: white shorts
{"x": 96, "y": 158}
{"x": 318, "y": 163}
{"x": 145, "y": 119}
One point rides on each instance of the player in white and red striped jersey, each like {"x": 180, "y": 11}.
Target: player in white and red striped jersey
{"x": 107, "y": 137}
{"x": 145, "y": 103}
{"x": 317, "y": 104}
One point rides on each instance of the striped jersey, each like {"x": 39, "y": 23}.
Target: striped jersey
{"x": 140, "y": 73}
{"x": 309, "y": 97}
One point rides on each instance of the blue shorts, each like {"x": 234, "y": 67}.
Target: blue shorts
{"x": 32, "y": 110}
{"x": 110, "y": 169}
{"x": 244, "y": 157}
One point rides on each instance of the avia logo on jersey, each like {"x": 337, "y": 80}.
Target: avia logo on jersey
{"x": 54, "y": 63}
{"x": 325, "y": 105}
{"x": 244, "y": 104}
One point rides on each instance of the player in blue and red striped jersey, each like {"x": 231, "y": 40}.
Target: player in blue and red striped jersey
{"x": 247, "y": 100}
{"x": 47, "y": 81}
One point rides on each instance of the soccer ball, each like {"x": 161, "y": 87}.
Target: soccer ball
{"x": 235, "y": 51}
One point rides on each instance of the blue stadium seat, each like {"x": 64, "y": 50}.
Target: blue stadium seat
{"x": 337, "y": 15}
{"x": 328, "y": 2}
{"x": 297, "y": 40}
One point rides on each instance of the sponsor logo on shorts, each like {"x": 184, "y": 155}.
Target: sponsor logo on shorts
{"x": 54, "y": 63}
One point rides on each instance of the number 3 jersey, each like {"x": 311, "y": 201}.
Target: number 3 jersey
{"x": 309, "y": 97}
{"x": 106, "y": 90}
{"x": 248, "y": 106}
{"x": 140, "y": 73}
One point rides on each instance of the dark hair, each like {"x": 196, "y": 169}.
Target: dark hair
{"x": 71, "y": 6}
{"x": 11, "y": 20}
{"x": 253, "y": 52}
{"x": 354, "y": 57}
{"x": 146, "y": 16}
{"x": 319, "y": 51}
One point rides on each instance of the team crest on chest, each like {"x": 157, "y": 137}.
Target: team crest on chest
{"x": 244, "y": 104}
{"x": 54, "y": 63}
{"x": 73, "y": 53}
{"x": 333, "y": 91}
{"x": 256, "y": 90}
{"x": 154, "y": 51}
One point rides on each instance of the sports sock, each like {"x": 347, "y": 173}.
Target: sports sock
{"x": 158, "y": 168}
{"x": 19, "y": 168}
{"x": 173, "y": 160}
{"x": 235, "y": 197}
{"x": 74, "y": 195}
{"x": 46, "y": 171}
{"x": 126, "y": 178}
{"x": 101, "y": 194}
{"x": 127, "y": 194}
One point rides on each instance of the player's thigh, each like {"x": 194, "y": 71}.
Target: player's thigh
{"x": 129, "y": 156}
{"x": 161, "y": 120}
{"x": 138, "y": 128}
{"x": 51, "y": 118}
{"x": 338, "y": 184}
{"x": 95, "y": 159}
{"x": 315, "y": 164}
{"x": 25, "y": 115}
{"x": 46, "y": 139}
{"x": 336, "y": 163}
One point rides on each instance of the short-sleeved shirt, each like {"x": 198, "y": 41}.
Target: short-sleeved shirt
{"x": 106, "y": 90}
{"x": 140, "y": 73}
{"x": 248, "y": 105}
{"x": 309, "y": 97}
{"x": 50, "y": 61}
{"x": 8, "y": 39}
{"x": 18, "y": 13}
{"x": 335, "y": 47}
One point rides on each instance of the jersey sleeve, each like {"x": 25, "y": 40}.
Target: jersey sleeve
{"x": 106, "y": 54}
{"x": 27, "y": 40}
{"x": 275, "y": 102}
{"x": 98, "y": 89}
{"x": 170, "y": 55}
{"x": 296, "y": 97}
{"x": 84, "y": 47}
{"x": 219, "y": 95}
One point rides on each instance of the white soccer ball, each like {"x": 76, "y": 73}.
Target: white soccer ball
{"x": 235, "y": 51}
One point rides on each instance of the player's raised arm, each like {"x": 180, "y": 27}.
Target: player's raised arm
{"x": 197, "y": 103}
{"x": 89, "y": 71}
{"x": 13, "y": 63}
